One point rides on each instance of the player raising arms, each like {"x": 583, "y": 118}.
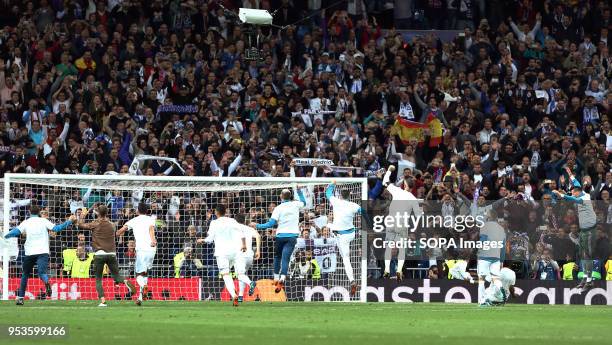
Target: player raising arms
{"x": 247, "y": 256}
{"x": 229, "y": 241}
{"x": 402, "y": 201}
{"x": 286, "y": 218}
{"x": 105, "y": 252}
{"x": 143, "y": 227}
{"x": 344, "y": 212}
{"x": 36, "y": 247}
{"x": 499, "y": 294}
{"x": 587, "y": 221}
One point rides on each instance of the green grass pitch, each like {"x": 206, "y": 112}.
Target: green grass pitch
{"x": 186, "y": 323}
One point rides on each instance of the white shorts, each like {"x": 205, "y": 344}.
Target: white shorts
{"x": 344, "y": 243}
{"x": 144, "y": 260}
{"x": 225, "y": 262}
{"x": 488, "y": 268}
{"x": 396, "y": 235}
{"x": 248, "y": 260}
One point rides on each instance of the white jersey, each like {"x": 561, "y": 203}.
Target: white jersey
{"x": 36, "y": 230}
{"x": 287, "y": 217}
{"x": 403, "y": 202}
{"x": 227, "y": 235}
{"x": 492, "y": 231}
{"x": 344, "y": 213}
{"x": 248, "y": 233}
{"x": 140, "y": 226}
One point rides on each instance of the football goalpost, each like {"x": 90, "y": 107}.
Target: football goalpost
{"x": 184, "y": 268}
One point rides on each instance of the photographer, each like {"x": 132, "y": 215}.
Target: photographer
{"x": 546, "y": 267}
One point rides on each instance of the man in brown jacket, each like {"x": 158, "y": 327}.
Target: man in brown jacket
{"x": 105, "y": 253}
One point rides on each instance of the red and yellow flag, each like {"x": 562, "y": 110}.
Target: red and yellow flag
{"x": 408, "y": 130}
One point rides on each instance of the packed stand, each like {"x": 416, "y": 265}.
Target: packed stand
{"x": 522, "y": 91}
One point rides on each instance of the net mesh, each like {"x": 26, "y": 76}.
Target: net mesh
{"x": 183, "y": 268}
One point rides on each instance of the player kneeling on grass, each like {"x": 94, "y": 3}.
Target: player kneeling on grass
{"x": 343, "y": 225}
{"x": 36, "y": 247}
{"x": 105, "y": 252}
{"x": 229, "y": 241}
{"x": 143, "y": 227}
{"x": 499, "y": 294}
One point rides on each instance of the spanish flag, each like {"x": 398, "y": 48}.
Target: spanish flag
{"x": 408, "y": 130}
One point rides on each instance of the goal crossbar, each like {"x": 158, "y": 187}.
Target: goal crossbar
{"x": 173, "y": 184}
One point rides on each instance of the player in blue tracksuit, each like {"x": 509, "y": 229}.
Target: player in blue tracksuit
{"x": 587, "y": 221}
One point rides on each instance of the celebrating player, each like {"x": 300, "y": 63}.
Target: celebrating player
{"x": 226, "y": 234}
{"x": 103, "y": 235}
{"x": 402, "y": 201}
{"x": 499, "y": 294}
{"x": 247, "y": 256}
{"x": 143, "y": 227}
{"x": 587, "y": 222}
{"x": 36, "y": 247}
{"x": 342, "y": 224}
{"x": 489, "y": 261}
{"x": 286, "y": 218}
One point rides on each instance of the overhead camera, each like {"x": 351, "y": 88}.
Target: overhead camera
{"x": 251, "y": 19}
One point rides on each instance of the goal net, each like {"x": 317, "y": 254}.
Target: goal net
{"x": 184, "y": 268}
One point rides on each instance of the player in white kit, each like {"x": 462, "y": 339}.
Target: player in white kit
{"x": 489, "y": 261}
{"x": 500, "y": 294}
{"x": 143, "y": 227}
{"x": 36, "y": 248}
{"x": 248, "y": 256}
{"x": 229, "y": 240}
{"x": 402, "y": 202}
{"x": 344, "y": 228}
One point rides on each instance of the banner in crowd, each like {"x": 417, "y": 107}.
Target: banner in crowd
{"x": 408, "y": 130}
{"x": 302, "y": 162}
{"x": 177, "y": 109}
{"x": 324, "y": 250}
{"x": 171, "y": 289}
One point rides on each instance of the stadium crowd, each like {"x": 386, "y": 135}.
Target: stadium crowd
{"x": 522, "y": 91}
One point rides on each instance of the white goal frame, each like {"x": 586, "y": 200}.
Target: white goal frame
{"x": 10, "y": 177}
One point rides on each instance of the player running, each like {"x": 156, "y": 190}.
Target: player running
{"x": 342, "y": 225}
{"x": 103, "y": 235}
{"x": 489, "y": 261}
{"x": 143, "y": 227}
{"x": 247, "y": 256}
{"x": 36, "y": 247}
{"x": 499, "y": 294}
{"x": 587, "y": 222}
{"x": 402, "y": 201}
{"x": 229, "y": 241}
